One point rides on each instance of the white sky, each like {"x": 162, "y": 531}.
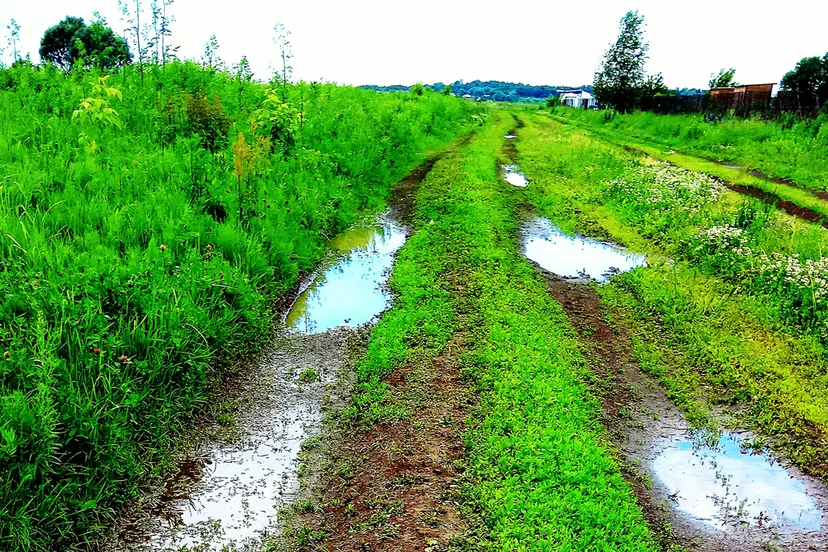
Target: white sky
{"x": 530, "y": 41}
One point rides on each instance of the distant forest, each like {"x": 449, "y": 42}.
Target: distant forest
{"x": 498, "y": 91}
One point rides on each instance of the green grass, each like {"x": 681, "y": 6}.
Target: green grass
{"x": 540, "y": 466}
{"x": 705, "y": 319}
{"x": 145, "y": 231}
{"x": 796, "y": 150}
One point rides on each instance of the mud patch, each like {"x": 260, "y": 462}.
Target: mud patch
{"x": 231, "y": 496}
{"x": 395, "y": 485}
{"x": 575, "y": 257}
{"x": 351, "y": 291}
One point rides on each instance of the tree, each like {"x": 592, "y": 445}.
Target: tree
{"x": 808, "y": 81}
{"x": 72, "y": 41}
{"x": 723, "y": 79}
{"x": 619, "y": 81}
{"x": 97, "y": 45}
{"x": 654, "y": 86}
{"x": 56, "y": 44}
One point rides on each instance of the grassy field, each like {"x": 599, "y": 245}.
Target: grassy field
{"x": 730, "y": 311}
{"x": 147, "y": 225}
{"x": 792, "y": 149}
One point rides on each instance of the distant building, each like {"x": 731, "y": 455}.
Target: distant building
{"x": 745, "y": 96}
{"x": 577, "y": 98}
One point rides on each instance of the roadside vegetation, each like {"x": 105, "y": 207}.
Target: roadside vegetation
{"x": 149, "y": 218}
{"x": 730, "y": 311}
{"x": 790, "y": 148}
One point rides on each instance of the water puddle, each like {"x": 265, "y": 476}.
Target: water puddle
{"x": 723, "y": 486}
{"x": 510, "y": 136}
{"x": 514, "y": 177}
{"x": 231, "y": 497}
{"x": 350, "y": 292}
{"x": 574, "y": 256}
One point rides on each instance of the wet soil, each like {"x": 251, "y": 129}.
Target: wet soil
{"x": 647, "y": 427}
{"x": 230, "y": 493}
{"x": 401, "y": 203}
{"x": 395, "y": 485}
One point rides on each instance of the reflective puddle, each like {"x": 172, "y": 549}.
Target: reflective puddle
{"x": 574, "y": 256}
{"x": 510, "y": 136}
{"x": 351, "y": 291}
{"x": 514, "y": 177}
{"x": 724, "y": 485}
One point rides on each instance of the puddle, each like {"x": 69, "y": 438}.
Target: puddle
{"x": 510, "y": 136}
{"x": 231, "y": 497}
{"x": 514, "y": 177}
{"x": 574, "y": 256}
{"x": 350, "y": 292}
{"x": 724, "y": 486}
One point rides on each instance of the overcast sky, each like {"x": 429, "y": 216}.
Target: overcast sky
{"x": 535, "y": 42}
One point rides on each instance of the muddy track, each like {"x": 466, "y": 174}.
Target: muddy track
{"x": 395, "y": 485}
{"x": 764, "y": 176}
{"x": 770, "y": 198}
{"x": 641, "y": 420}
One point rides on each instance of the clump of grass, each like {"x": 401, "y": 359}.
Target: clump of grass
{"x": 309, "y": 375}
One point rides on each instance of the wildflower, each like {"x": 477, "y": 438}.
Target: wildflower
{"x": 163, "y": 247}
{"x": 124, "y": 358}
{"x": 209, "y": 247}
{"x": 96, "y": 351}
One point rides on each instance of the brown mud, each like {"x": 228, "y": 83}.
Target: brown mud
{"x": 395, "y": 485}
{"x": 643, "y": 422}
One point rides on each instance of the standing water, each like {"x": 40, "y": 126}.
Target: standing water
{"x": 724, "y": 485}
{"x": 574, "y": 256}
{"x": 514, "y": 177}
{"x": 350, "y": 292}
{"x": 232, "y": 499}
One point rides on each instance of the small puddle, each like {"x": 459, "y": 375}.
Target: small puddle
{"x": 510, "y": 136}
{"x": 724, "y": 485}
{"x": 350, "y": 292}
{"x": 514, "y": 177}
{"x": 574, "y": 256}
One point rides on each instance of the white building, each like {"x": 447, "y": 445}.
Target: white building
{"x": 577, "y": 98}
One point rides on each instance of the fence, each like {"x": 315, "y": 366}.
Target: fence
{"x": 742, "y": 104}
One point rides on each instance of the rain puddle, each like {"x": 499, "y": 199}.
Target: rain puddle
{"x": 350, "y": 292}
{"x": 574, "y": 256}
{"x": 724, "y": 484}
{"x": 514, "y": 177}
{"x": 231, "y": 498}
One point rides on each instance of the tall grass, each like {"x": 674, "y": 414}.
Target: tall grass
{"x": 790, "y": 148}
{"x": 145, "y": 229}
